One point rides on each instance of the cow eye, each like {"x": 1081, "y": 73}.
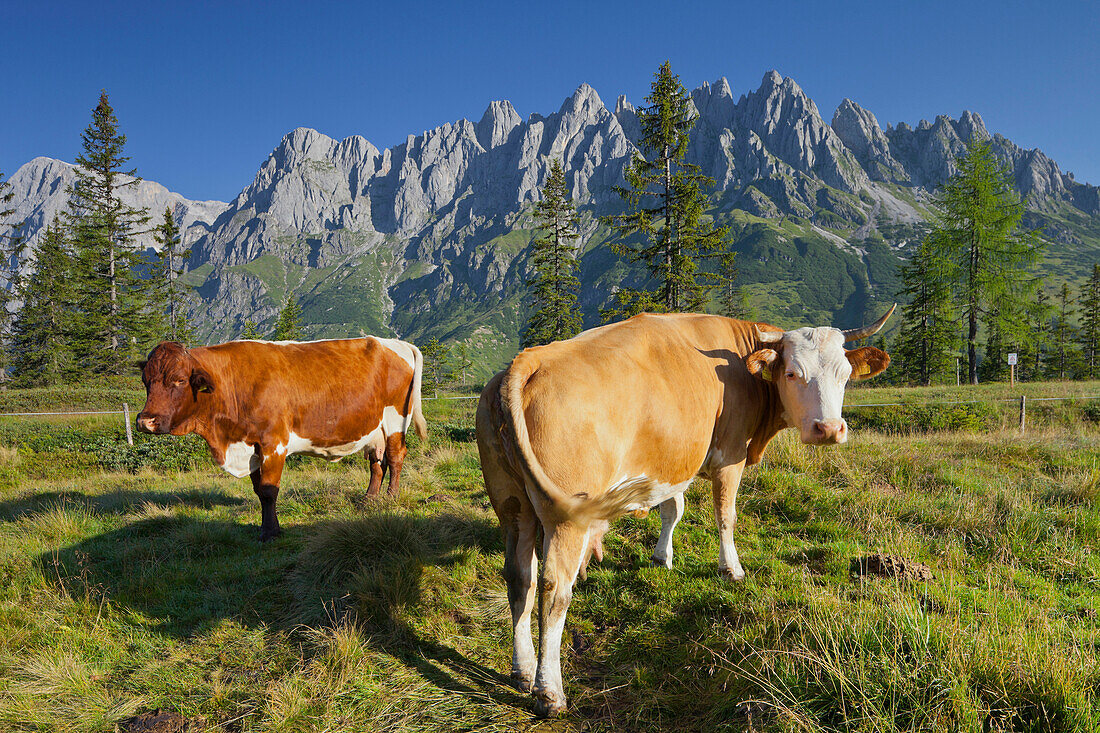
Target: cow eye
{"x": 179, "y": 382}
{"x": 791, "y": 376}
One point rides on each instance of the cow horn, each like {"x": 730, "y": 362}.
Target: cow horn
{"x": 855, "y": 334}
{"x": 768, "y": 337}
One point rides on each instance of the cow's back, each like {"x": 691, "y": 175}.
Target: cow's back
{"x": 643, "y": 396}
{"x": 328, "y": 389}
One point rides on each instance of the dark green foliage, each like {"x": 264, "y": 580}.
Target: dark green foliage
{"x": 1036, "y": 348}
{"x": 42, "y": 341}
{"x": 553, "y": 289}
{"x": 437, "y": 365}
{"x": 975, "y": 231}
{"x": 250, "y": 332}
{"x": 1065, "y": 335}
{"x": 665, "y": 203}
{"x": 1090, "y": 323}
{"x": 11, "y": 250}
{"x": 925, "y": 348}
{"x": 172, "y": 293}
{"x": 289, "y": 325}
{"x": 732, "y": 301}
{"x": 116, "y": 315}
{"x": 908, "y": 419}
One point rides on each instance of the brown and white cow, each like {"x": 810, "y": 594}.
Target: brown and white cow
{"x": 622, "y": 418}
{"x": 257, "y": 402}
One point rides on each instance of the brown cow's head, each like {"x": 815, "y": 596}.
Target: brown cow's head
{"x": 810, "y": 367}
{"x": 173, "y": 384}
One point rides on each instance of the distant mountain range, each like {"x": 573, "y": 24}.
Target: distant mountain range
{"x": 431, "y": 237}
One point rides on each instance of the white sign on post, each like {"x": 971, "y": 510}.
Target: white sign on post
{"x": 1012, "y": 358}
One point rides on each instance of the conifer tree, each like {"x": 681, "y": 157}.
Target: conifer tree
{"x": 732, "y": 301}
{"x": 975, "y": 230}
{"x": 926, "y": 345}
{"x": 1064, "y": 332}
{"x": 250, "y": 332}
{"x": 41, "y": 346}
{"x": 665, "y": 204}
{"x": 553, "y": 289}
{"x": 1090, "y": 323}
{"x": 1033, "y": 359}
{"x": 170, "y": 265}
{"x": 437, "y": 359}
{"x": 11, "y": 251}
{"x": 289, "y": 325}
{"x": 460, "y": 361}
{"x": 116, "y": 308}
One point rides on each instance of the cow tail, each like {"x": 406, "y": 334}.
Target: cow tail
{"x": 511, "y": 397}
{"x": 417, "y": 412}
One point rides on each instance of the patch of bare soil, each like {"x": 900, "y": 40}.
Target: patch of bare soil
{"x": 161, "y": 721}
{"x": 889, "y": 566}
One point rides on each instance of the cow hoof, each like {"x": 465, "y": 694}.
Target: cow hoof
{"x": 732, "y": 575}
{"x": 523, "y": 682}
{"x": 266, "y": 536}
{"x": 659, "y": 563}
{"x": 547, "y": 706}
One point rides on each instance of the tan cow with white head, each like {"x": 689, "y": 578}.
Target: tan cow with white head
{"x": 622, "y": 418}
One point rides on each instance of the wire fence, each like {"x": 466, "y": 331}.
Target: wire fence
{"x": 1022, "y": 400}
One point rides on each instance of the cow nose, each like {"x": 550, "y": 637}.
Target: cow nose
{"x": 147, "y": 424}
{"x": 830, "y": 431}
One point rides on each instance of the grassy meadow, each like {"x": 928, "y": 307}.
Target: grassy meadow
{"x": 132, "y": 579}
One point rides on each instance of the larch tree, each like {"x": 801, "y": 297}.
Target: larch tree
{"x": 664, "y": 227}
{"x": 553, "y": 288}
{"x": 975, "y": 230}
{"x": 116, "y": 314}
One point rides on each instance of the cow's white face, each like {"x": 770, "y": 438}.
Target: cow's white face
{"x": 810, "y": 368}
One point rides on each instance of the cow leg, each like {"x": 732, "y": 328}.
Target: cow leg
{"x": 726, "y": 481}
{"x": 265, "y": 482}
{"x": 671, "y": 511}
{"x": 376, "y": 470}
{"x": 395, "y": 458}
{"x": 520, "y": 526}
{"x": 564, "y": 546}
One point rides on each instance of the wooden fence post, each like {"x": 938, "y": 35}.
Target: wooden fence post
{"x": 129, "y": 430}
{"x": 1023, "y": 412}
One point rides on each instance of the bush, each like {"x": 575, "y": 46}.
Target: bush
{"x": 928, "y": 418}
{"x": 50, "y": 450}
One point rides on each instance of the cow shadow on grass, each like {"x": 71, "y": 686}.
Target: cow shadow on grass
{"x": 120, "y": 502}
{"x": 381, "y": 572}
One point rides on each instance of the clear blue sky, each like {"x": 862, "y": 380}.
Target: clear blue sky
{"x": 204, "y": 91}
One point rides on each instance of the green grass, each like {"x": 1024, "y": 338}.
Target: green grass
{"x": 124, "y": 591}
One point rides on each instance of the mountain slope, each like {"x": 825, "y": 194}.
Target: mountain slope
{"x": 431, "y": 237}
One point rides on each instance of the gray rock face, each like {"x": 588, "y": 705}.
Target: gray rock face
{"x": 437, "y": 223}
{"x": 41, "y": 186}
{"x": 859, "y": 131}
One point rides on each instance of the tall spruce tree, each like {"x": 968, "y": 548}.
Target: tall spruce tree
{"x": 116, "y": 309}
{"x": 732, "y": 301}
{"x": 975, "y": 229}
{"x": 169, "y": 267}
{"x": 1035, "y": 352}
{"x": 665, "y": 204}
{"x": 250, "y": 332}
{"x": 925, "y": 347}
{"x": 41, "y": 344}
{"x": 1090, "y": 323}
{"x": 288, "y": 327}
{"x": 553, "y": 289}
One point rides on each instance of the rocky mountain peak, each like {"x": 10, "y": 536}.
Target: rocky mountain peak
{"x": 497, "y": 123}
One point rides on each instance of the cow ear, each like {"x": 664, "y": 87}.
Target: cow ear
{"x": 759, "y": 363}
{"x": 201, "y": 381}
{"x": 867, "y": 362}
